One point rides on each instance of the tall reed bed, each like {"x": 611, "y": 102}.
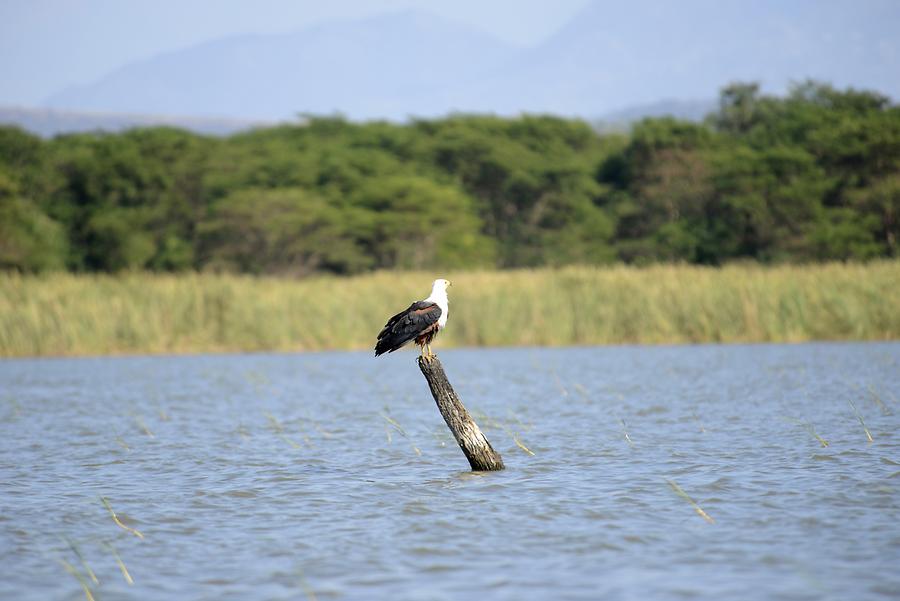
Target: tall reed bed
{"x": 65, "y": 314}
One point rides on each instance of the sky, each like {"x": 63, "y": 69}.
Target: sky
{"x": 47, "y": 45}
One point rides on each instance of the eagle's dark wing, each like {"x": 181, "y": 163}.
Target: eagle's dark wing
{"x": 406, "y": 325}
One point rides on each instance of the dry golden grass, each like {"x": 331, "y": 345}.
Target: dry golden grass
{"x": 67, "y": 314}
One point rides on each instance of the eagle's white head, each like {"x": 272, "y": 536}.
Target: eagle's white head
{"x": 439, "y": 297}
{"x": 440, "y": 285}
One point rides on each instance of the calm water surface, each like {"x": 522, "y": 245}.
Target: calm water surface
{"x": 332, "y": 476}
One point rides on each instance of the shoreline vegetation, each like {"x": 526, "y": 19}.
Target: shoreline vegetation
{"x": 813, "y": 176}
{"x": 144, "y": 313}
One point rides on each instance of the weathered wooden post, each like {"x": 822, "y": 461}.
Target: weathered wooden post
{"x": 477, "y": 449}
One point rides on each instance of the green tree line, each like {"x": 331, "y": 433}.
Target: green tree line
{"x": 810, "y": 176}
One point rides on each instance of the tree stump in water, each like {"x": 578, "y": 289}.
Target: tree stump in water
{"x": 477, "y": 449}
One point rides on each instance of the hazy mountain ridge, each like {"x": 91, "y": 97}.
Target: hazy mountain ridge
{"x": 606, "y": 58}
{"x": 48, "y": 123}
{"x": 51, "y": 122}
{"x": 337, "y": 66}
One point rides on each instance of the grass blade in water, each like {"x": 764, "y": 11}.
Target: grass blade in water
{"x": 118, "y": 521}
{"x": 678, "y": 490}
{"x": 279, "y": 430}
{"x": 861, "y": 422}
{"x": 516, "y": 440}
{"x": 809, "y": 428}
{"x": 121, "y": 563}
{"x": 625, "y": 432}
{"x": 84, "y": 585}
{"x": 522, "y": 446}
{"x": 402, "y": 432}
{"x": 84, "y": 564}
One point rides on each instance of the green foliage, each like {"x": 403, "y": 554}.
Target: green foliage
{"x": 809, "y": 176}
{"x": 767, "y": 178}
{"x": 130, "y": 201}
{"x": 412, "y": 222}
{"x": 533, "y": 182}
{"x": 30, "y": 241}
{"x": 881, "y": 202}
{"x": 845, "y": 234}
{"x": 281, "y": 230}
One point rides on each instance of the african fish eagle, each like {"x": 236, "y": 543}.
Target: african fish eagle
{"x": 421, "y": 322}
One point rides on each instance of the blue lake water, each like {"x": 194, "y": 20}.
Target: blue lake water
{"x": 333, "y": 476}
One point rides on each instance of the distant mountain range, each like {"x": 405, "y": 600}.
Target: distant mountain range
{"x": 51, "y": 122}
{"x": 609, "y": 57}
